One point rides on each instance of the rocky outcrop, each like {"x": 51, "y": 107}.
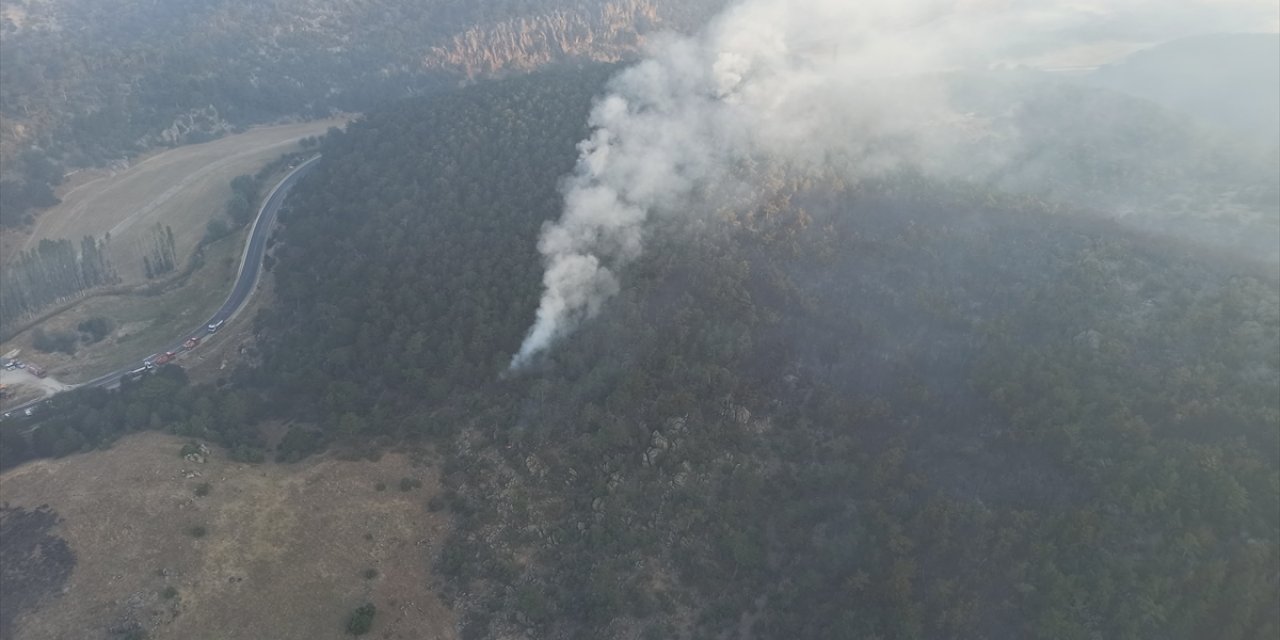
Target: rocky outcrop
{"x": 195, "y": 125}
{"x": 613, "y": 32}
{"x": 1089, "y": 339}
{"x": 658, "y": 445}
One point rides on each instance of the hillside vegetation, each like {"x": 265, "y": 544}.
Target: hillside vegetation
{"x": 896, "y": 407}
{"x": 85, "y": 82}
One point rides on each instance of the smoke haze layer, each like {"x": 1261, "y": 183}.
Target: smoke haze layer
{"x": 830, "y": 83}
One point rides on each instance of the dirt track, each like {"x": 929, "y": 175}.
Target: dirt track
{"x": 183, "y": 188}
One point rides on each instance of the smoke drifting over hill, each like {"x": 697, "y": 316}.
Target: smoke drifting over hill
{"x": 829, "y": 84}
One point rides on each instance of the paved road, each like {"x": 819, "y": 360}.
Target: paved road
{"x": 246, "y": 278}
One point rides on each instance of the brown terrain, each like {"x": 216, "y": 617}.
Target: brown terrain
{"x": 523, "y": 44}
{"x": 104, "y": 544}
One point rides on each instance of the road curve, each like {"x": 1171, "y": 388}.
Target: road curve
{"x": 246, "y": 278}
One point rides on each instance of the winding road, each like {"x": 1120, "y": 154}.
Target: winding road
{"x": 246, "y": 279}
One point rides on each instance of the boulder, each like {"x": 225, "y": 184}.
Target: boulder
{"x": 660, "y": 441}
{"x": 1089, "y": 339}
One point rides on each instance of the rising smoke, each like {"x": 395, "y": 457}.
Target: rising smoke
{"x": 832, "y": 83}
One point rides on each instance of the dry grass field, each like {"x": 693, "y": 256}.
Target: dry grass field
{"x": 283, "y": 552}
{"x": 183, "y": 188}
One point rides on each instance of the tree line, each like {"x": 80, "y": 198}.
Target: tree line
{"x": 56, "y": 270}
{"x": 161, "y": 256}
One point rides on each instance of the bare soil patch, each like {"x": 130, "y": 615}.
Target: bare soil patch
{"x": 20, "y": 386}
{"x": 272, "y": 551}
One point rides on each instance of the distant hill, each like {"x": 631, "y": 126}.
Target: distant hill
{"x": 1230, "y": 80}
{"x": 1158, "y": 168}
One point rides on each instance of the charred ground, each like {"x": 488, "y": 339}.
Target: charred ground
{"x": 34, "y": 561}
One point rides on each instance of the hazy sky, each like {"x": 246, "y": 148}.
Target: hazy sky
{"x": 1106, "y": 31}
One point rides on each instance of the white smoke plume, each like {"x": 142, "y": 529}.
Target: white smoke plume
{"x": 821, "y": 82}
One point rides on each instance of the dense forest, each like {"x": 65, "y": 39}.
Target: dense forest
{"x": 897, "y": 407}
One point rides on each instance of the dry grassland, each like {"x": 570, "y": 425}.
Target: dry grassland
{"x": 284, "y": 553}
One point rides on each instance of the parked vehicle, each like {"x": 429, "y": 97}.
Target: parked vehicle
{"x": 36, "y": 371}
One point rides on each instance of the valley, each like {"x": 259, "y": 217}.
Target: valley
{"x": 640, "y": 320}
{"x": 145, "y": 316}
{"x": 183, "y": 188}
